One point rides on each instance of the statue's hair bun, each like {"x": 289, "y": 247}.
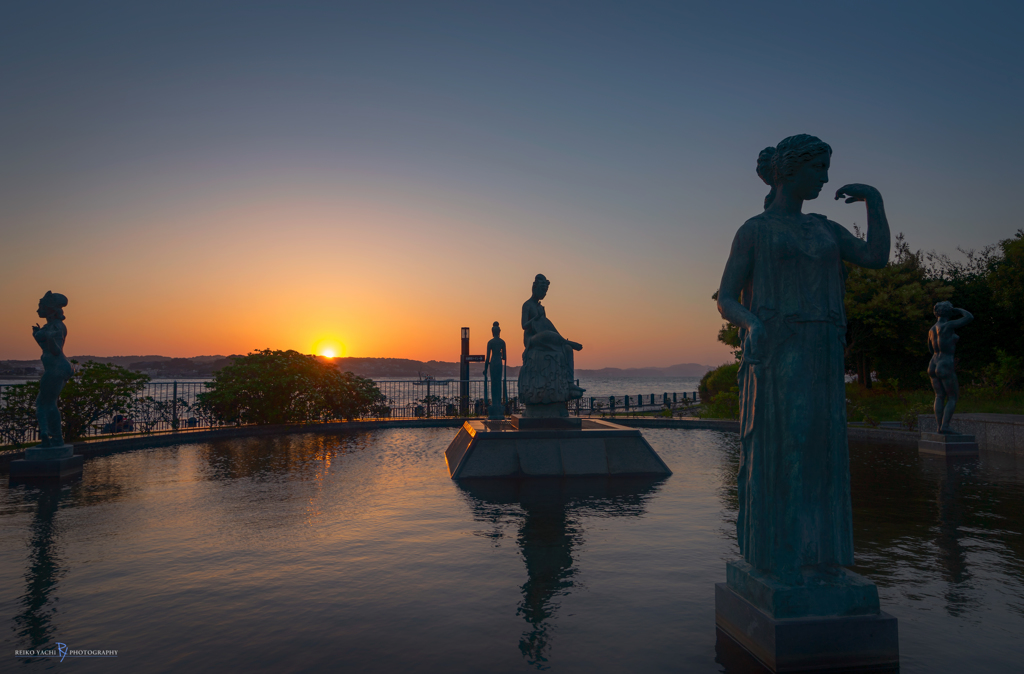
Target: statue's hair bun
{"x": 764, "y": 166}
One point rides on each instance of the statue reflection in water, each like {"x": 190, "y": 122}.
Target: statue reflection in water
{"x": 34, "y": 622}
{"x": 551, "y": 512}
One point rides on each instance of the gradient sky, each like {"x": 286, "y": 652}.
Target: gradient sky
{"x": 213, "y": 177}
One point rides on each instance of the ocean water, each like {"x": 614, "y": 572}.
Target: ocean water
{"x": 356, "y": 552}
{"x": 634, "y": 386}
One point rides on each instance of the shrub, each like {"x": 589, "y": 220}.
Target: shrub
{"x": 716, "y": 381}
{"x": 18, "y": 413}
{"x": 96, "y": 391}
{"x": 281, "y": 387}
{"x": 724, "y": 405}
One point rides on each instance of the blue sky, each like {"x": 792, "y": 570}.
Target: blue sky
{"x": 246, "y": 175}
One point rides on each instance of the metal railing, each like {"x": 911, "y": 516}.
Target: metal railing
{"x": 174, "y": 406}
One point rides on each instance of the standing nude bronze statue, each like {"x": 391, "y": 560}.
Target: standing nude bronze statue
{"x": 57, "y": 369}
{"x": 783, "y": 286}
{"x": 941, "y": 369}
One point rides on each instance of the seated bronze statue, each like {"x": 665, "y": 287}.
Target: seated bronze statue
{"x": 546, "y": 380}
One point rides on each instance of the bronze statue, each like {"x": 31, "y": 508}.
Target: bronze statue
{"x": 546, "y": 380}
{"x": 57, "y": 369}
{"x": 941, "y": 369}
{"x": 494, "y": 365}
{"x": 783, "y": 286}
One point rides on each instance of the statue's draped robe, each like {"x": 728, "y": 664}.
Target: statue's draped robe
{"x": 547, "y": 373}
{"x": 794, "y": 476}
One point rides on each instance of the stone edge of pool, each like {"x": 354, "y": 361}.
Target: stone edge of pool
{"x": 884, "y": 436}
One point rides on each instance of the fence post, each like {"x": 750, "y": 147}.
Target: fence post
{"x": 626, "y": 404}
{"x": 674, "y": 399}
{"x": 174, "y": 407}
{"x": 611, "y": 404}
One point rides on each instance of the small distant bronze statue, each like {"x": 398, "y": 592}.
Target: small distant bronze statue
{"x": 784, "y": 286}
{"x": 546, "y": 380}
{"x": 495, "y": 363}
{"x": 57, "y": 369}
{"x": 942, "y": 345}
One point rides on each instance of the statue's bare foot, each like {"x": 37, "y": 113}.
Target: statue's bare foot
{"x": 575, "y": 391}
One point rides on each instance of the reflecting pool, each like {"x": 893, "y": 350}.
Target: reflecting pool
{"x": 356, "y": 552}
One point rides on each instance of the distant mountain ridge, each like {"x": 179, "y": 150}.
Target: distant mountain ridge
{"x": 165, "y": 367}
{"x": 680, "y": 370}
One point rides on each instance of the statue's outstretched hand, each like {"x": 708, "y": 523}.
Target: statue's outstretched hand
{"x": 856, "y": 192}
{"x": 576, "y": 346}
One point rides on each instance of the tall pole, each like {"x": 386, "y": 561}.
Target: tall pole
{"x": 464, "y": 373}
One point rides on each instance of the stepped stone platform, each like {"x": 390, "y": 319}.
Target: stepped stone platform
{"x": 549, "y": 447}
{"x": 948, "y": 444}
{"x": 829, "y": 623}
{"x": 47, "y": 462}
{"x": 851, "y": 643}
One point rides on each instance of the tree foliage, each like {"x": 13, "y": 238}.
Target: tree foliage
{"x": 95, "y": 392}
{"x": 716, "y": 381}
{"x": 888, "y": 313}
{"x": 281, "y": 387}
{"x": 990, "y": 284}
{"x": 730, "y": 335}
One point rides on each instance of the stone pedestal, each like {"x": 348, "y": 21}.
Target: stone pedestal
{"x": 581, "y": 447}
{"x": 48, "y": 462}
{"x": 523, "y": 423}
{"x": 948, "y": 444}
{"x": 811, "y": 644}
{"x": 829, "y": 622}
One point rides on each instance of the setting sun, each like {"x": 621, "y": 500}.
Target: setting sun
{"x": 329, "y": 348}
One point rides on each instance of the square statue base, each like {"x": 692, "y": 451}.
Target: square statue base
{"x": 948, "y": 444}
{"x": 48, "y": 462}
{"x": 522, "y": 423}
{"x": 590, "y": 447}
{"x": 812, "y": 644}
{"x": 844, "y": 594}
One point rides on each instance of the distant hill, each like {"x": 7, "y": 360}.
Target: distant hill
{"x": 398, "y": 368}
{"x": 159, "y": 367}
{"x": 680, "y": 370}
{"x": 164, "y": 367}
{"x": 171, "y": 368}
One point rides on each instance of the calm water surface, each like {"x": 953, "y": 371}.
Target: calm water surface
{"x": 307, "y": 553}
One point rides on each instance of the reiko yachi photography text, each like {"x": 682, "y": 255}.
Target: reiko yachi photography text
{"x": 61, "y": 651}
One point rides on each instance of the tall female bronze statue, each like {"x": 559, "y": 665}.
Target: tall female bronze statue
{"x": 942, "y": 345}
{"x": 784, "y": 286}
{"x": 57, "y": 369}
{"x": 495, "y": 363}
{"x": 546, "y": 380}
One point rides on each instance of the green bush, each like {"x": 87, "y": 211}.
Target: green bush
{"x": 282, "y": 387}
{"x": 724, "y": 405}
{"x": 96, "y": 391}
{"x": 716, "y": 381}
